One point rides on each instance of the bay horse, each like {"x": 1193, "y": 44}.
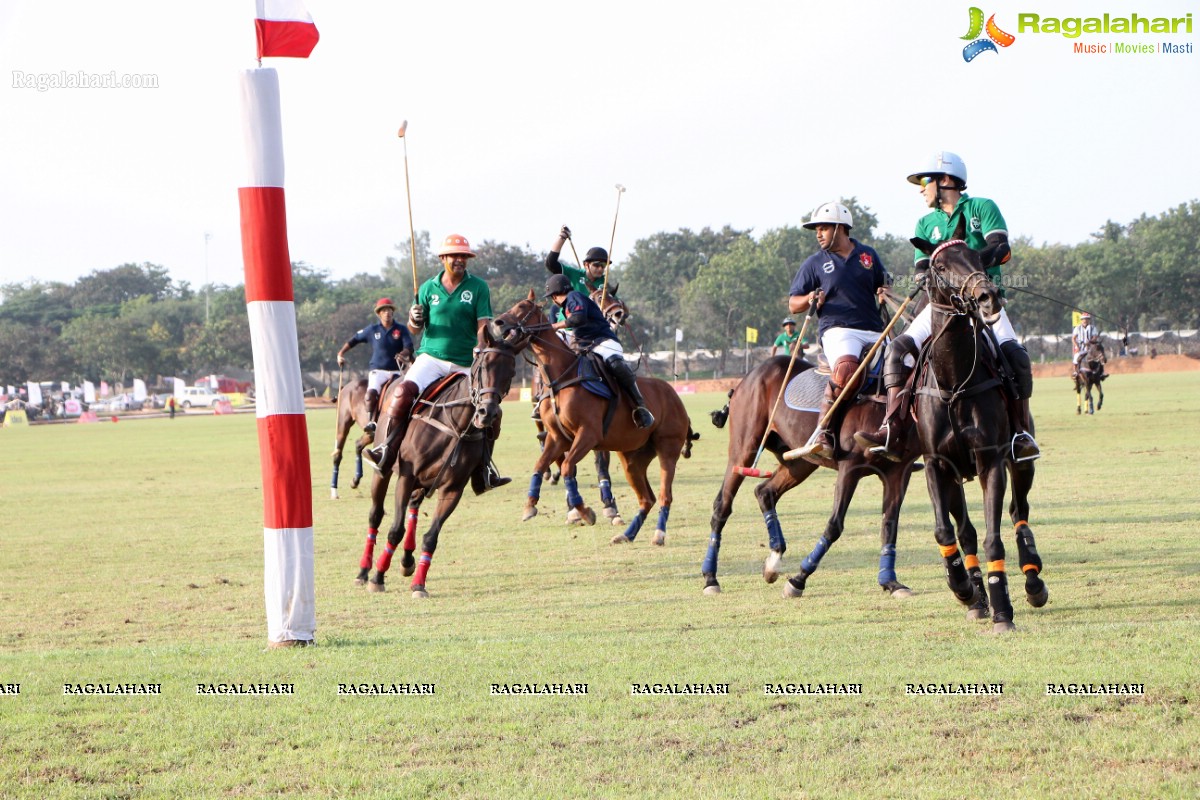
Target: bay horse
{"x": 964, "y": 428}
{"x": 1089, "y": 375}
{"x": 576, "y": 423}
{"x": 749, "y": 410}
{"x": 351, "y": 411}
{"x": 617, "y": 314}
{"x": 441, "y": 450}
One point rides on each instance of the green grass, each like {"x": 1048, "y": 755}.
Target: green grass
{"x": 133, "y": 553}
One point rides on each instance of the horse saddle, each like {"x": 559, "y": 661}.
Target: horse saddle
{"x": 590, "y": 377}
{"x": 437, "y": 388}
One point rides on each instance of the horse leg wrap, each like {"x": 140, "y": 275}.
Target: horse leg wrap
{"x": 1026, "y": 549}
{"x": 774, "y": 531}
{"x": 410, "y": 530}
{"x": 535, "y": 486}
{"x": 368, "y": 549}
{"x": 813, "y": 559}
{"x": 997, "y": 585}
{"x": 385, "y": 559}
{"x": 956, "y": 574}
{"x": 422, "y": 570}
{"x": 574, "y": 498}
{"x": 887, "y": 564}
{"x": 635, "y": 525}
{"x": 606, "y": 495}
{"x": 663, "y": 513}
{"x": 333, "y": 481}
{"x": 709, "y": 566}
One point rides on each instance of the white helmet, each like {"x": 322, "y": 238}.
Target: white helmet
{"x": 830, "y": 214}
{"x": 943, "y": 163}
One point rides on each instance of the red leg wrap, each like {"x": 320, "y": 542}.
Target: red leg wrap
{"x": 385, "y": 559}
{"x": 410, "y": 531}
{"x": 422, "y": 569}
{"x": 369, "y": 549}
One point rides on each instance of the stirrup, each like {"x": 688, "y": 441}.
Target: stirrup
{"x": 642, "y": 417}
{"x": 376, "y": 455}
{"x": 818, "y": 447}
{"x": 1037, "y": 451}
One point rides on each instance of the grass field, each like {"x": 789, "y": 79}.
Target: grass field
{"x": 132, "y": 553}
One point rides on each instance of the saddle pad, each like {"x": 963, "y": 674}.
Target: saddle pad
{"x": 592, "y": 381}
{"x": 805, "y": 391}
{"x": 437, "y": 387}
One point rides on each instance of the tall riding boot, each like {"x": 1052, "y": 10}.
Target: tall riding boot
{"x": 628, "y": 382}
{"x": 486, "y": 475}
{"x": 372, "y": 410}
{"x": 383, "y": 456}
{"x": 892, "y": 437}
{"x": 1024, "y": 447}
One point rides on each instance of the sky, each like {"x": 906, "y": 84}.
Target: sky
{"x": 523, "y": 116}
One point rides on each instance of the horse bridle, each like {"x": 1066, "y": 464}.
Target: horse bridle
{"x": 961, "y": 301}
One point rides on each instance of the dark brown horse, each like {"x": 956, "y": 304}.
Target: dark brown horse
{"x": 1089, "y": 375}
{"x": 442, "y": 449}
{"x": 748, "y": 412}
{"x": 575, "y": 423}
{"x": 964, "y": 428}
{"x": 351, "y": 411}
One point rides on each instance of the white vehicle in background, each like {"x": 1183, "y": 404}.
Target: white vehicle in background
{"x": 199, "y": 397}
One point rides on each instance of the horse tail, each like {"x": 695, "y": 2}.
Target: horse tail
{"x": 687, "y": 445}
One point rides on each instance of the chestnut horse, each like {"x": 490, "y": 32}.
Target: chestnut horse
{"x": 1090, "y": 374}
{"x": 617, "y": 315}
{"x": 748, "y": 412}
{"x": 441, "y": 450}
{"x": 575, "y": 423}
{"x": 964, "y": 429}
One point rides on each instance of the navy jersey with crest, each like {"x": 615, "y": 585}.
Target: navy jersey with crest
{"x": 594, "y": 327}
{"x": 385, "y": 343}
{"x": 849, "y": 287}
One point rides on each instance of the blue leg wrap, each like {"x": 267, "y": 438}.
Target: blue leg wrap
{"x": 775, "y": 532}
{"x": 535, "y": 486}
{"x": 813, "y": 559}
{"x": 709, "y": 567}
{"x": 635, "y": 525}
{"x": 663, "y": 513}
{"x": 574, "y": 498}
{"x": 606, "y": 495}
{"x": 358, "y": 473}
{"x": 887, "y": 564}
{"x": 333, "y": 482}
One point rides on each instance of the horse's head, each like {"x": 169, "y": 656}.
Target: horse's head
{"x": 957, "y": 276}
{"x": 614, "y": 310}
{"x": 492, "y": 372}
{"x": 515, "y": 326}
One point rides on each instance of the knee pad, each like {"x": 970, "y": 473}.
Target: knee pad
{"x": 843, "y": 371}
{"x": 403, "y": 399}
{"x": 895, "y": 371}
{"x": 1023, "y": 369}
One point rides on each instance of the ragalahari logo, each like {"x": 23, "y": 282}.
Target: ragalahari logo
{"x": 995, "y": 36}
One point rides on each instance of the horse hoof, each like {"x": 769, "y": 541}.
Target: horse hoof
{"x": 771, "y": 567}
{"x": 610, "y": 512}
{"x": 977, "y": 614}
{"x": 529, "y": 514}
{"x": 790, "y": 591}
{"x": 620, "y": 538}
{"x": 408, "y": 569}
{"x": 1003, "y": 627}
{"x": 589, "y": 516}
{"x": 376, "y": 588}
{"x": 617, "y": 521}
{"x": 574, "y": 517}
{"x": 419, "y": 593}
{"x": 360, "y": 581}
{"x": 354, "y": 483}
{"x": 1038, "y": 599}
{"x": 333, "y": 494}
{"x": 899, "y": 591}
{"x": 714, "y": 589}
{"x": 660, "y": 538}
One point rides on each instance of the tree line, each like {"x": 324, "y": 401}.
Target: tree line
{"x": 134, "y": 321}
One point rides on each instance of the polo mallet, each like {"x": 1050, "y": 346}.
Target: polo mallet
{"x": 792, "y": 455}
{"x": 612, "y": 239}
{"x": 337, "y": 421}
{"x": 412, "y": 236}
{"x": 752, "y": 471}
{"x": 575, "y": 252}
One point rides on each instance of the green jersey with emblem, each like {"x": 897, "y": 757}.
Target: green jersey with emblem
{"x": 452, "y": 318}
{"x": 579, "y": 279}
{"x": 982, "y": 217}
{"x": 785, "y": 341}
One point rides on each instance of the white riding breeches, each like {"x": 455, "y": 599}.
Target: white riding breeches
{"x": 376, "y": 378}
{"x": 608, "y": 348}
{"x": 840, "y": 342}
{"x": 922, "y": 327}
{"x": 427, "y": 369}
